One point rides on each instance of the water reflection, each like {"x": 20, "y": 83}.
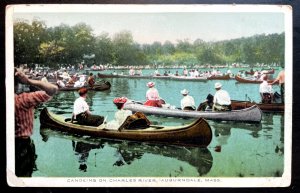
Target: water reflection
{"x": 127, "y": 152}
{"x": 82, "y": 151}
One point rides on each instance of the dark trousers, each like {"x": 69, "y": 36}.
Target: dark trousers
{"x": 282, "y": 92}
{"x": 90, "y": 120}
{"x": 24, "y": 157}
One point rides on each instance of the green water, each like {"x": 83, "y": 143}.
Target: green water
{"x": 247, "y": 150}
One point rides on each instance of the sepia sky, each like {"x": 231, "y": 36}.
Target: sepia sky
{"x": 161, "y": 26}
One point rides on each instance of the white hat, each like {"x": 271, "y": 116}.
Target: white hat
{"x": 218, "y": 85}
{"x": 150, "y": 84}
{"x": 184, "y": 92}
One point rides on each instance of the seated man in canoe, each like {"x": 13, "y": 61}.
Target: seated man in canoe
{"x": 207, "y": 104}
{"x": 82, "y": 113}
{"x": 187, "y": 102}
{"x": 152, "y": 96}
{"x": 91, "y": 80}
{"x": 266, "y": 91}
{"x": 222, "y": 101}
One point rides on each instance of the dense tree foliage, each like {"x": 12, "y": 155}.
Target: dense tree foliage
{"x": 35, "y": 43}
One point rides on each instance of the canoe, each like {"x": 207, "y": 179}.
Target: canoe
{"x": 272, "y": 107}
{"x": 97, "y": 87}
{"x": 251, "y": 114}
{"x": 100, "y": 75}
{"x": 224, "y": 77}
{"x": 196, "y": 133}
{"x": 188, "y": 78}
{"x": 272, "y": 71}
{"x": 249, "y": 80}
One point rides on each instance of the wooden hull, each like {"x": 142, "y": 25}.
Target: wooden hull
{"x": 251, "y": 81}
{"x": 251, "y": 114}
{"x": 98, "y": 87}
{"x": 225, "y": 77}
{"x": 197, "y": 133}
{"x": 273, "y": 107}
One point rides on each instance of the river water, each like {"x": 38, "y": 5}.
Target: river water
{"x": 236, "y": 150}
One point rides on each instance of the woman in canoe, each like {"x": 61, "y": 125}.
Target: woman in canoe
{"x": 120, "y": 115}
{"x": 152, "y": 96}
{"x": 82, "y": 113}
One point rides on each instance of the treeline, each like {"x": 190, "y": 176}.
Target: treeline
{"x": 35, "y": 43}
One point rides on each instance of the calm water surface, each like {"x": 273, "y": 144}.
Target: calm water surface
{"x": 246, "y": 150}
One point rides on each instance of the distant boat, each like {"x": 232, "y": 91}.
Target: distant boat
{"x": 251, "y": 80}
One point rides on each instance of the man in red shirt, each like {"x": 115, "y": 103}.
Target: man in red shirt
{"x": 24, "y": 116}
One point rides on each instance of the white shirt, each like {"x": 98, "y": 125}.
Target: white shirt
{"x": 120, "y": 117}
{"x": 80, "y": 106}
{"x": 264, "y": 87}
{"x": 152, "y": 94}
{"x": 187, "y": 101}
{"x": 78, "y": 84}
{"x": 61, "y": 83}
{"x": 222, "y": 98}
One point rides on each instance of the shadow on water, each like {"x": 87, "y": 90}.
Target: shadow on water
{"x": 127, "y": 151}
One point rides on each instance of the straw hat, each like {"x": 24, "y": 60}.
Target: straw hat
{"x": 184, "y": 92}
{"x": 150, "y": 84}
{"x": 218, "y": 85}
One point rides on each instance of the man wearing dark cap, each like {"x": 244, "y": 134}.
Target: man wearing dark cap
{"x": 82, "y": 113}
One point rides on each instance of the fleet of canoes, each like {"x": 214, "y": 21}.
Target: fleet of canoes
{"x": 170, "y": 77}
{"x": 196, "y": 133}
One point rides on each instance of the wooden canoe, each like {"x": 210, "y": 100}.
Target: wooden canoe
{"x": 224, "y": 77}
{"x": 251, "y": 114}
{"x": 272, "y": 107}
{"x": 249, "y": 80}
{"x": 196, "y": 133}
{"x": 97, "y": 87}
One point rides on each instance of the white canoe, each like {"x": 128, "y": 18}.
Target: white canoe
{"x": 251, "y": 114}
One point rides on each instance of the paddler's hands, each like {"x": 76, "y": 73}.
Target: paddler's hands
{"x": 21, "y": 76}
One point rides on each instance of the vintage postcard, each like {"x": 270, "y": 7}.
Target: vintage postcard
{"x": 149, "y": 95}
